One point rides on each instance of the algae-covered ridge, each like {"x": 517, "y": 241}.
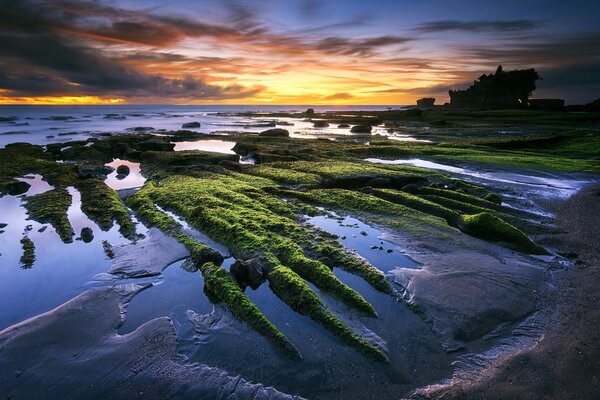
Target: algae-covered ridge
{"x": 258, "y": 211}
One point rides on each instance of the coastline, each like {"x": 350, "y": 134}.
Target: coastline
{"x": 566, "y": 362}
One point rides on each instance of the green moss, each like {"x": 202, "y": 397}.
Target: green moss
{"x": 222, "y": 285}
{"x": 486, "y": 225}
{"x": 417, "y": 203}
{"x": 251, "y": 223}
{"x": 147, "y": 212}
{"x": 337, "y": 257}
{"x": 300, "y": 297}
{"x": 103, "y": 206}
{"x": 51, "y": 207}
{"x": 28, "y": 256}
{"x": 285, "y": 176}
{"x": 437, "y": 193}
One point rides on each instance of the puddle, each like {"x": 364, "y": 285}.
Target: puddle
{"x": 38, "y": 184}
{"x": 365, "y": 240}
{"x": 177, "y": 292}
{"x": 60, "y": 271}
{"x": 553, "y": 186}
{"x": 407, "y": 138}
{"x": 212, "y": 145}
{"x": 133, "y": 180}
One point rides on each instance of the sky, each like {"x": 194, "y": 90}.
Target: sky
{"x": 289, "y": 51}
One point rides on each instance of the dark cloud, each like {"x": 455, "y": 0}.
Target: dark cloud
{"x": 362, "y": 47}
{"x": 339, "y": 96}
{"x": 39, "y": 56}
{"x": 478, "y": 26}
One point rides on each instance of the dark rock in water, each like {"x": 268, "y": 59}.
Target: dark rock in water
{"x": 309, "y": 112}
{"x": 142, "y": 128}
{"x": 380, "y": 183}
{"x": 43, "y": 228}
{"x": 94, "y": 171}
{"x": 16, "y": 188}
{"x": 410, "y": 188}
{"x": 87, "y": 235}
{"x": 344, "y": 126}
{"x": 114, "y": 116}
{"x": 188, "y": 125}
{"x": 277, "y": 132}
{"x": 152, "y": 145}
{"x": 3, "y": 225}
{"x": 50, "y": 136}
{"x": 123, "y": 170}
{"x": 361, "y": 129}
{"x": 250, "y": 272}
{"x": 320, "y": 124}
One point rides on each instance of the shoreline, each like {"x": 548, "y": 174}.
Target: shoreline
{"x": 565, "y": 364}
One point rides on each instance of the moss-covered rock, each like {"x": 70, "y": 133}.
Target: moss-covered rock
{"x": 487, "y": 226}
{"x": 103, "y": 206}
{"x": 51, "y": 207}
{"x": 224, "y": 288}
{"x": 28, "y": 256}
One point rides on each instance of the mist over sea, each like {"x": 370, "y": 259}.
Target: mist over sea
{"x": 51, "y": 124}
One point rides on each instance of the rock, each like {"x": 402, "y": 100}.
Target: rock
{"x": 188, "y": 125}
{"x": 410, "y": 188}
{"x": 380, "y": 183}
{"x": 277, "y": 132}
{"x": 426, "y": 102}
{"x": 17, "y": 187}
{"x": 309, "y": 112}
{"x": 153, "y": 145}
{"x": 3, "y": 225}
{"x": 361, "y": 129}
{"x": 320, "y": 124}
{"x": 123, "y": 170}
{"x": 250, "y": 272}
{"x": 94, "y": 171}
{"x": 87, "y": 235}
{"x": 344, "y": 126}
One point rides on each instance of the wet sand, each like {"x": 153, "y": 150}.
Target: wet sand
{"x": 566, "y": 362}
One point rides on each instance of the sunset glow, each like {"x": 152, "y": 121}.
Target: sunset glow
{"x": 338, "y": 52}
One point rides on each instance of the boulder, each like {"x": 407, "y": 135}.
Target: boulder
{"x": 410, "y": 188}
{"x": 320, "y": 124}
{"x": 87, "y": 235}
{"x": 188, "y": 125}
{"x": 94, "y": 171}
{"x": 361, "y": 129}
{"x": 251, "y": 272}
{"x": 344, "y": 126}
{"x": 309, "y": 112}
{"x": 123, "y": 170}
{"x": 276, "y": 132}
{"x": 17, "y": 187}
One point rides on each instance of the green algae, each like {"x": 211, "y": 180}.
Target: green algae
{"x": 28, "y": 257}
{"x": 223, "y": 287}
{"x": 103, "y": 206}
{"x": 488, "y": 226}
{"x": 300, "y": 297}
{"x": 51, "y": 207}
{"x": 251, "y": 224}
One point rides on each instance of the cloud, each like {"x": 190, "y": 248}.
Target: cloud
{"x": 38, "y": 58}
{"x": 339, "y": 96}
{"x": 478, "y": 26}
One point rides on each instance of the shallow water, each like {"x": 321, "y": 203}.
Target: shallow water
{"x": 365, "y": 240}
{"x": 60, "y": 271}
{"x": 37, "y": 182}
{"x": 134, "y": 179}
{"x": 212, "y": 145}
{"x": 45, "y": 124}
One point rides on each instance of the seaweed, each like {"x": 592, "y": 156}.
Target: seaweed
{"x": 28, "y": 257}
{"x": 51, "y": 207}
